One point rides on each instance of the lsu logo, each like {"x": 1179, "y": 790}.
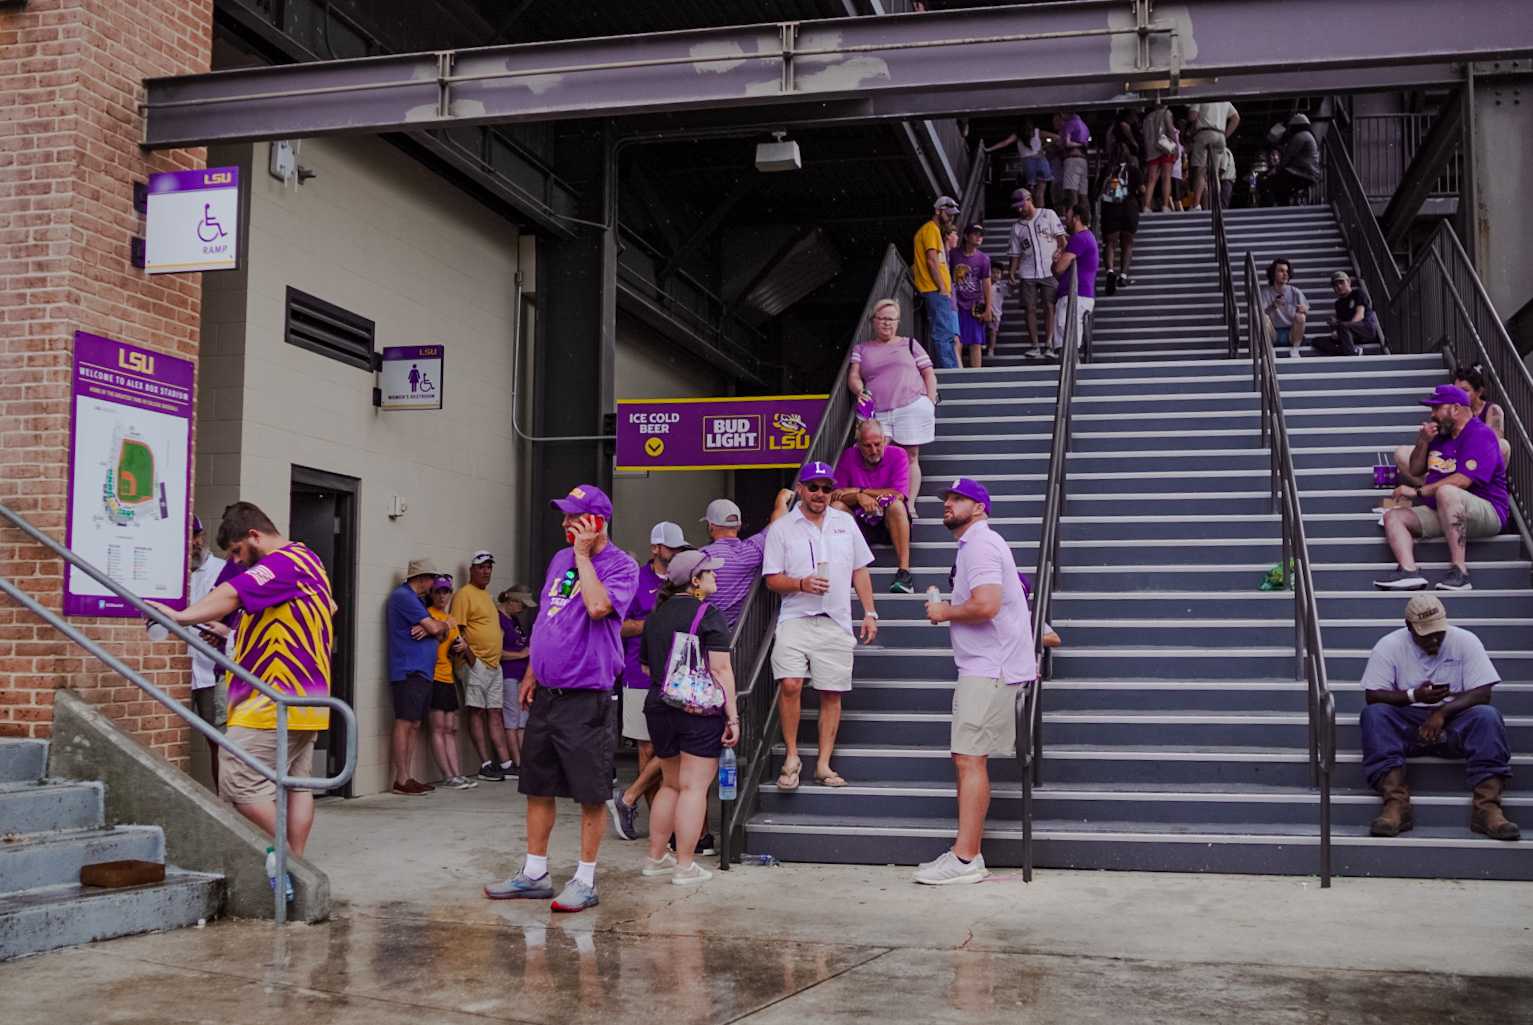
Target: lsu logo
{"x": 218, "y": 178}
{"x": 136, "y": 362}
{"x": 577, "y": 492}
{"x": 794, "y": 433}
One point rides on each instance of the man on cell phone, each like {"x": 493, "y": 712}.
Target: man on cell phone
{"x": 577, "y": 653}
{"x": 1427, "y": 688}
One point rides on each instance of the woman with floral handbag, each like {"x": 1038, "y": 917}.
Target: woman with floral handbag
{"x": 690, "y": 711}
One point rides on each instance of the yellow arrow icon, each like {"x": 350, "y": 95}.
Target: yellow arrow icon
{"x": 654, "y": 447}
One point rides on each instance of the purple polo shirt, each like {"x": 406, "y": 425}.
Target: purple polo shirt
{"x": 1084, "y": 245}
{"x": 1476, "y": 453}
{"x": 569, "y": 648}
{"x": 1000, "y": 648}
{"x": 635, "y": 672}
{"x": 741, "y": 570}
{"x": 892, "y": 471}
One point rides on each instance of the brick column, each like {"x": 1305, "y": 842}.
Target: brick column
{"x": 70, "y": 84}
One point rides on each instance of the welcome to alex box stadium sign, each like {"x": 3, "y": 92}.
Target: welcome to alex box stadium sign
{"x": 759, "y": 432}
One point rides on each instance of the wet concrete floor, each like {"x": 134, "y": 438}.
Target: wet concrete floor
{"x": 412, "y": 942}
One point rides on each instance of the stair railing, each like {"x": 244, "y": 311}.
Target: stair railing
{"x": 971, "y": 206}
{"x": 1441, "y": 306}
{"x": 1343, "y": 190}
{"x": 1309, "y": 650}
{"x": 1030, "y": 713}
{"x": 1226, "y": 270}
{"x": 280, "y": 777}
{"x": 751, "y": 644}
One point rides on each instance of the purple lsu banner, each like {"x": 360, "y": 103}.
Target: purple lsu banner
{"x": 757, "y": 432}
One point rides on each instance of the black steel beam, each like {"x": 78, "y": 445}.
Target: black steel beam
{"x": 1061, "y": 45}
{"x": 1431, "y": 159}
{"x": 748, "y": 183}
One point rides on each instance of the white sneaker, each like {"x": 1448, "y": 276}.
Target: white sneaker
{"x": 691, "y": 875}
{"x": 662, "y": 866}
{"x": 948, "y": 869}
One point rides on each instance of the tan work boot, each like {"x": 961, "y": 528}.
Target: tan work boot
{"x": 1487, "y": 817}
{"x": 1396, "y": 816}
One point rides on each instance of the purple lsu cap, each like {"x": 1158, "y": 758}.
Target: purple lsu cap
{"x": 196, "y": 524}
{"x": 584, "y": 499}
{"x": 970, "y": 489}
{"x": 442, "y": 584}
{"x": 1447, "y": 395}
{"x": 816, "y": 471}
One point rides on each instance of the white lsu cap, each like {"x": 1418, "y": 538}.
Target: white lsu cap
{"x": 481, "y": 556}
{"x": 722, "y": 513}
{"x": 667, "y": 533}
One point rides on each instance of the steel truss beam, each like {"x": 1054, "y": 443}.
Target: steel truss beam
{"x": 1431, "y": 159}
{"x": 1114, "y": 43}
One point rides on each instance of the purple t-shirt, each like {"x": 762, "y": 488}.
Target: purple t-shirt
{"x": 1074, "y": 132}
{"x": 515, "y": 640}
{"x": 635, "y": 673}
{"x": 569, "y": 648}
{"x": 1084, "y": 245}
{"x": 1476, "y": 453}
{"x": 891, "y": 371}
{"x": 892, "y": 471}
{"x": 741, "y": 570}
{"x": 969, "y": 276}
{"x": 285, "y": 638}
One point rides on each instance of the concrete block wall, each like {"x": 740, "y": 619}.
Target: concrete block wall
{"x": 70, "y": 73}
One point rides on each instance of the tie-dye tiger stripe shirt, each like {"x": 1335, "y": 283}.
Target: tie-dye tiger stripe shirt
{"x": 285, "y": 638}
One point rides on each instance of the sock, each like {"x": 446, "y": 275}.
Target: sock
{"x": 585, "y": 871}
{"x": 508, "y": 764}
{"x": 966, "y": 861}
{"x": 536, "y": 866}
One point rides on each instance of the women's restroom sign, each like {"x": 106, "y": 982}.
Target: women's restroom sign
{"x": 738, "y": 433}
{"x": 192, "y": 221}
{"x": 410, "y": 377}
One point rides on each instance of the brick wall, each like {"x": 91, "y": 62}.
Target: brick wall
{"x": 70, "y": 82}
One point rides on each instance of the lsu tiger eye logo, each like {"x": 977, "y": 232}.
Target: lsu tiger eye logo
{"x": 792, "y": 433}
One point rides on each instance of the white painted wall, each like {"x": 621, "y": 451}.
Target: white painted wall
{"x": 377, "y": 234}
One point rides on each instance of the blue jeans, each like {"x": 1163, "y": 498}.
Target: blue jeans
{"x": 1476, "y": 735}
{"x": 942, "y": 325}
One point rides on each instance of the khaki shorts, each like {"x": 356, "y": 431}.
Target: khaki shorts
{"x": 238, "y": 783}
{"x": 1039, "y": 290}
{"x": 483, "y": 686}
{"x": 984, "y": 717}
{"x": 814, "y": 648}
{"x": 635, "y": 726}
{"x": 1208, "y": 145}
{"x": 1483, "y": 519}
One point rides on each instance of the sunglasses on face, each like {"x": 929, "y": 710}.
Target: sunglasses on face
{"x": 819, "y": 488}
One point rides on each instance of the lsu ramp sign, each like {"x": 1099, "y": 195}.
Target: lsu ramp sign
{"x": 758, "y": 432}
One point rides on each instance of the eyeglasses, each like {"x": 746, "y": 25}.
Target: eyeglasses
{"x": 819, "y": 488}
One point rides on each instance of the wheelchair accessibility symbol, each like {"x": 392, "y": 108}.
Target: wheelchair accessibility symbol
{"x": 208, "y": 229}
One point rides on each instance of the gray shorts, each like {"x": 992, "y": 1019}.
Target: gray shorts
{"x": 1039, "y": 290}
{"x": 483, "y": 686}
{"x": 984, "y": 717}
{"x": 1074, "y": 176}
{"x": 1484, "y": 521}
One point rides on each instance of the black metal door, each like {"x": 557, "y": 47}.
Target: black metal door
{"x": 322, "y": 514}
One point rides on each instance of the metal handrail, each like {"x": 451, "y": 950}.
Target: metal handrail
{"x": 1343, "y": 190}
{"x": 751, "y": 644}
{"x": 1226, "y": 271}
{"x": 1030, "y": 715}
{"x": 1309, "y": 650}
{"x": 283, "y": 781}
{"x": 973, "y": 198}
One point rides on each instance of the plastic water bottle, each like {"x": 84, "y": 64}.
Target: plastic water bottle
{"x": 271, "y": 874}
{"x": 933, "y": 595}
{"x": 764, "y": 860}
{"x": 728, "y": 774}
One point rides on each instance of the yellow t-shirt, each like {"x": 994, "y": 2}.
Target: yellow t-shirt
{"x": 930, "y": 237}
{"x": 479, "y": 620}
{"x": 443, "y": 672}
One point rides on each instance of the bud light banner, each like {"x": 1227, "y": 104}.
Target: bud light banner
{"x": 758, "y": 432}
{"x": 130, "y": 447}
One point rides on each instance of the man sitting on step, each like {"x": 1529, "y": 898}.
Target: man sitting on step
{"x": 1465, "y": 493}
{"x": 1427, "y": 688}
{"x": 874, "y": 479}
{"x": 1354, "y": 324}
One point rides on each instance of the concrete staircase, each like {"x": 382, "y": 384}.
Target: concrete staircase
{"x": 49, "y": 829}
{"x": 1342, "y": 412}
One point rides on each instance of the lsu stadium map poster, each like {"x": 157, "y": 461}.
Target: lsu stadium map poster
{"x": 130, "y": 447}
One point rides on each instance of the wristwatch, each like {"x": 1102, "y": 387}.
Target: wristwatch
{"x": 870, "y": 615}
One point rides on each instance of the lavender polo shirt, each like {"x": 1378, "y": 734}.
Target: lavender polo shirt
{"x": 635, "y": 672}
{"x": 891, "y": 471}
{"x": 569, "y": 648}
{"x": 1000, "y": 648}
{"x": 742, "y": 565}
